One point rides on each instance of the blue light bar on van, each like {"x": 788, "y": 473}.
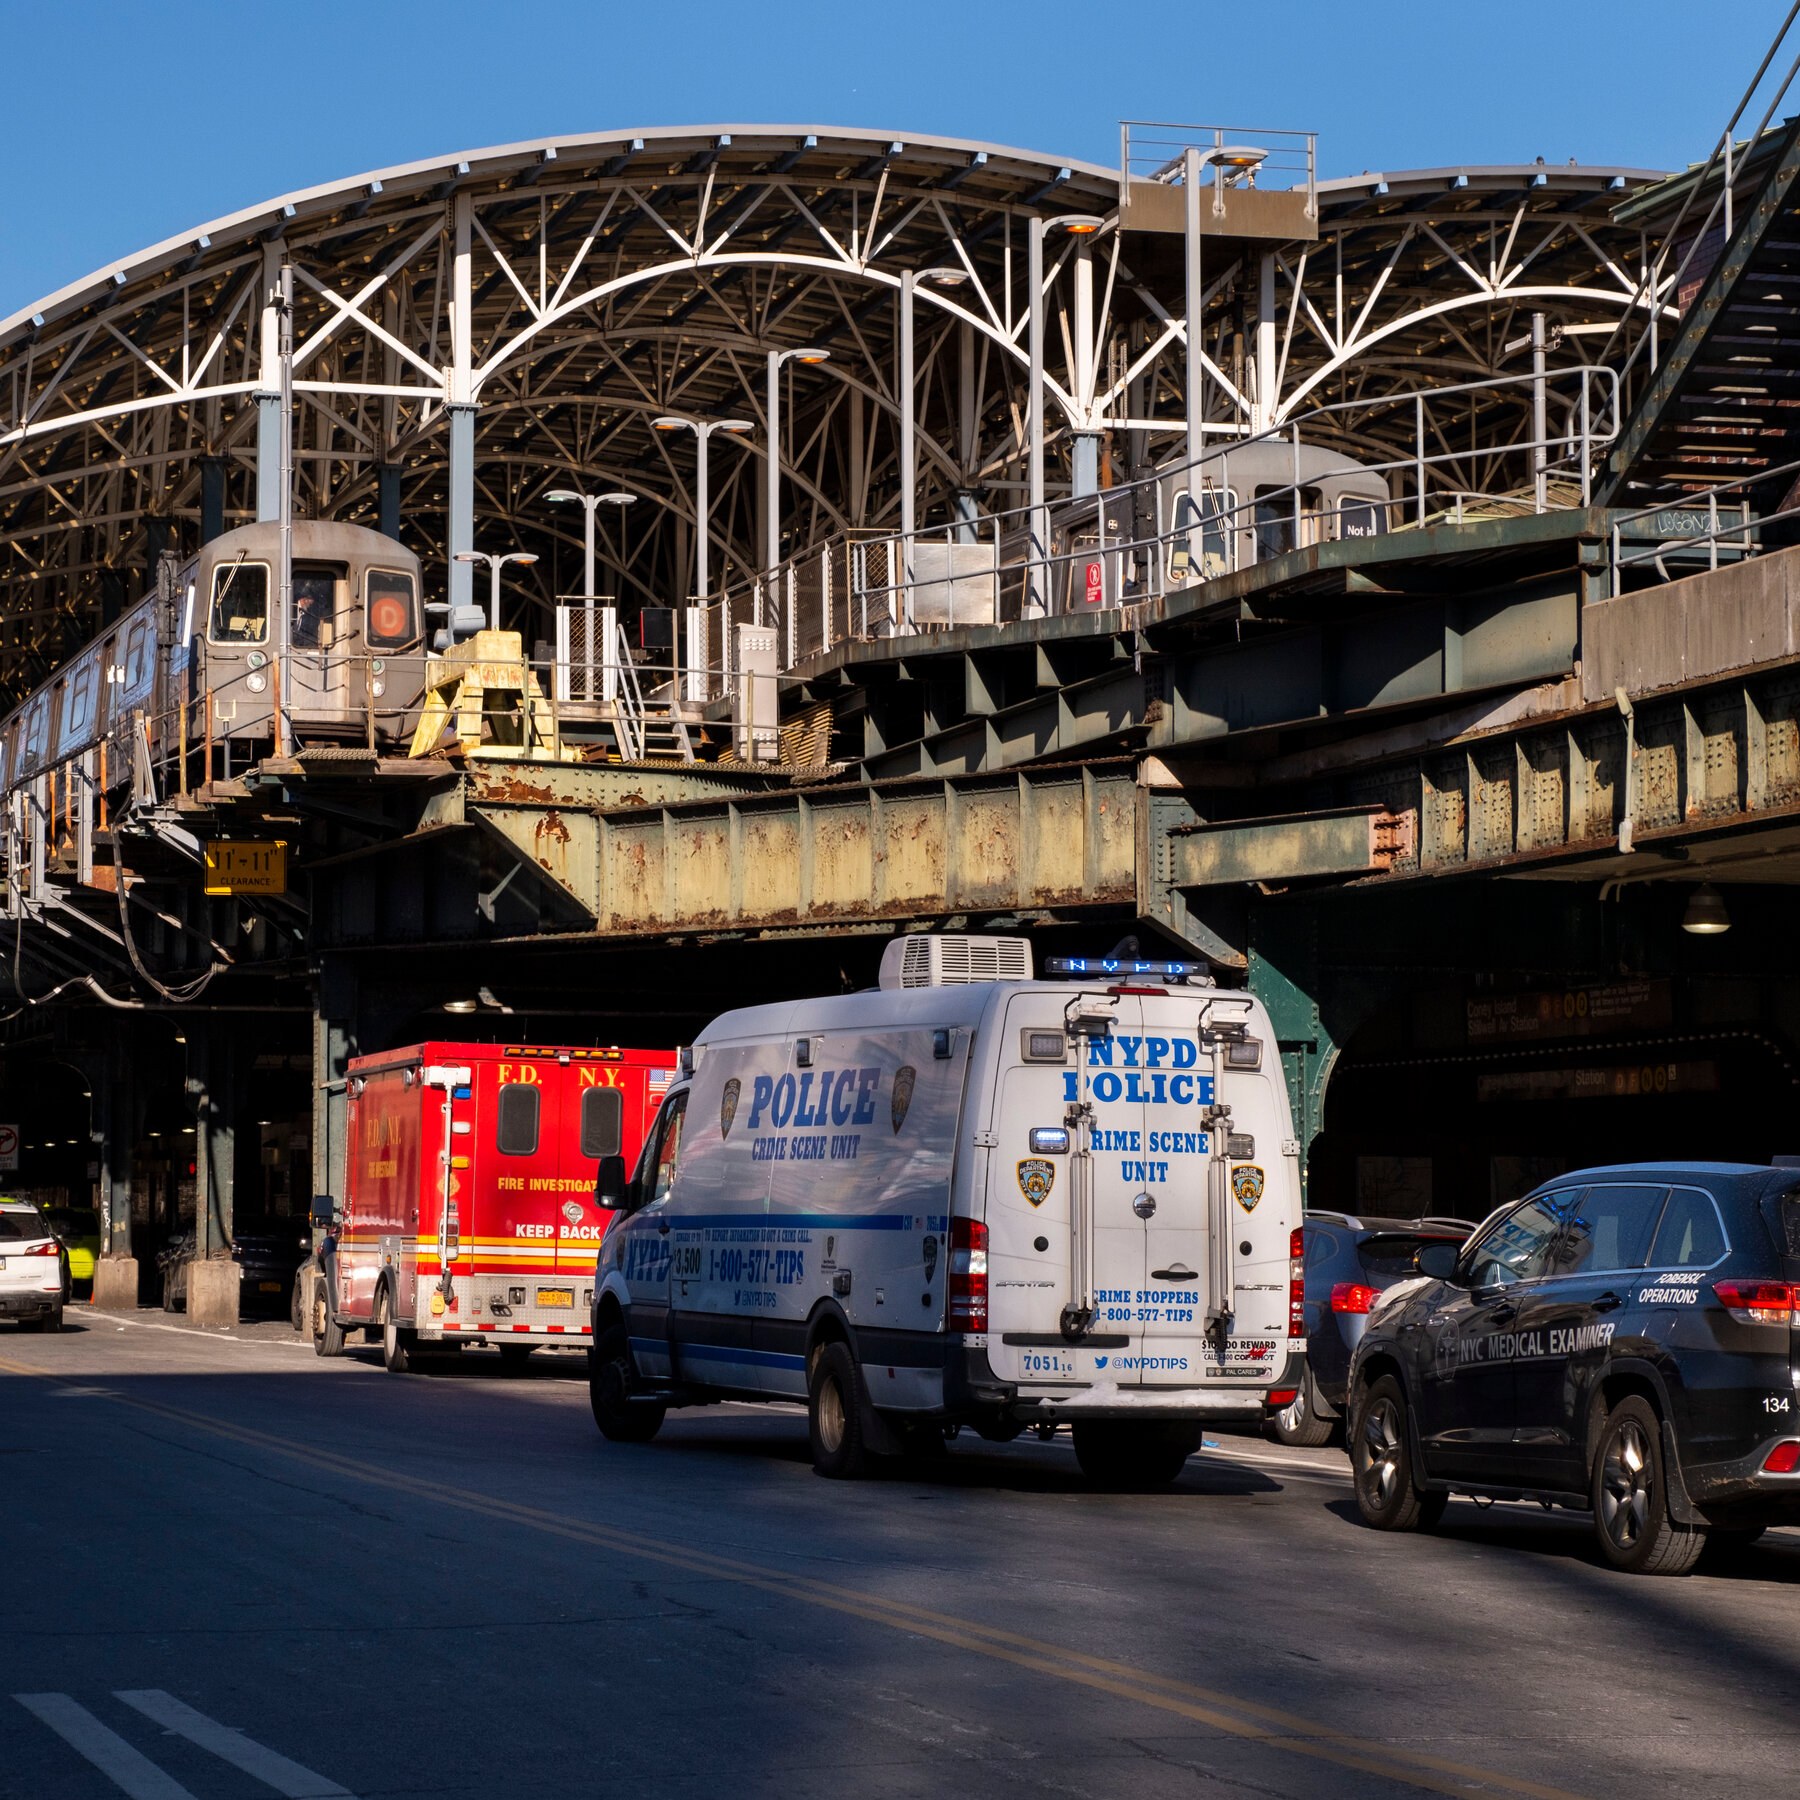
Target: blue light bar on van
{"x": 1115, "y": 967}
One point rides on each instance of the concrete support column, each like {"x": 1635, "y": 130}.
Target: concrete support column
{"x": 460, "y": 381}
{"x": 212, "y": 1288}
{"x": 1037, "y": 590}
{"x": 115, "y": 1123}
{"x": 212, "y": 498}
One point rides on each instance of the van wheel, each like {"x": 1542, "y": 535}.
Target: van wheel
{"x": 1128, "y": 1458}
{"x": 1630, "y": 1495}
{"x": 397, "y": 1352}
{"x": 1298, "y": 1423}
{"x": 621, "y": 1419}
{"x": 327, "y": 1333}
{"x": 834, "y": 1416}
{"x": 1381, "y": 1462}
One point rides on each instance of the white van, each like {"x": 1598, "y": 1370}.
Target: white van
{"x": 965, "y": 1197}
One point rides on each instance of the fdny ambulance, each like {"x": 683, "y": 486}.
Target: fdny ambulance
{"x": 469, "y": 1215}
{"x": 966, "y": 1197}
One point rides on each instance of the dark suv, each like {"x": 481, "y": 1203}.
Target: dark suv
{"x": 1621, "y": 1341}
{"x": 1350, "y": 1263}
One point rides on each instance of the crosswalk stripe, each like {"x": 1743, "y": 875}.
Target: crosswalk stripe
{"x": 105, "y": 1749}
{"x": 267, "y": 1766}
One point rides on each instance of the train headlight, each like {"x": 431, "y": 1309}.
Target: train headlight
{"x": 256, "y": 659}
{"x": 256, "y": 681}
{"x": 379, "y": 687}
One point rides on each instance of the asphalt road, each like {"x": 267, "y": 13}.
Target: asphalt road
{"x": 235, "y": 1570}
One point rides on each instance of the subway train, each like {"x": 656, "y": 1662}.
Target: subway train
{"x": 198, "y": 660}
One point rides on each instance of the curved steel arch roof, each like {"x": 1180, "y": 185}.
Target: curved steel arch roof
{"x": 621, "y": 275}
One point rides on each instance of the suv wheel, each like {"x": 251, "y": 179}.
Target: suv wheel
{"x": 1298, "y": 1422}
{"x": 1381, "y": 1462}
{"x": 1630, "y": 1496}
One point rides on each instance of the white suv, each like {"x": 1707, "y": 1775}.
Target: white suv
{"x": 34, "y": 1269}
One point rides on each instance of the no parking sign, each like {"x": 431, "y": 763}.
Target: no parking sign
{"x": 9, "y": 1149}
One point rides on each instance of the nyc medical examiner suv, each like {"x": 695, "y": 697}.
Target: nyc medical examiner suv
{"x": 965, "y": 1197}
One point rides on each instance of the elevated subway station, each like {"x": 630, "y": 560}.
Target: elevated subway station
{"x": 1411, "y": 640}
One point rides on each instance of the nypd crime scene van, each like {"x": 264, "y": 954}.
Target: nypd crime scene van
{"x": 965, "y": 1197}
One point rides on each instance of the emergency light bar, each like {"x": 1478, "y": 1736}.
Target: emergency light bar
{"x": 1113, "y": 966}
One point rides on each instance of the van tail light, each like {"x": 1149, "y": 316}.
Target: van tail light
{"x": 1783, "y": 1459}
{"x": 1297, "y": 1282}
{"x": 41, "y": 1250}
{"x": 1353, "y": 1297}
{"x": 968, "y": 1271}
{"x": 1759, "y": 1302}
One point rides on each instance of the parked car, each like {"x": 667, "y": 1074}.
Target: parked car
{"x": 78, "y": 1228}
{"x": 268, "y": 1253}
{"x": 1349, "y": 1262}
{"x": 34, "y": 1268}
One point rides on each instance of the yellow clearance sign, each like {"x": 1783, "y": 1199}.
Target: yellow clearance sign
{"x": 242, "y": 866}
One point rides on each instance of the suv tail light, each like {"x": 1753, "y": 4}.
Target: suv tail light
{"x": 41, "y": 1250}
{"x": 968, "y": 1271}
{"x": 1759, "y": 1302}
{"x": 1353, "y": 1297}
{"x": 1782, "y": 1459}
{"x": 1297, "y": 1282}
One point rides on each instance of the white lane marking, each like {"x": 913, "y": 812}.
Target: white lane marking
{"x": 106, "y": 1750}
{"x": 213, "y": 1334}
{"x": 267, "y": 1766}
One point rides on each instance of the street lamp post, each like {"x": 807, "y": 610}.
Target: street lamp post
{"x": 495, "y": 564}
{"x": 702, "y": 430}
{"x": 609, "y": 614}
{"x": 588, "y": 502}
{"x": 772, "y": 474}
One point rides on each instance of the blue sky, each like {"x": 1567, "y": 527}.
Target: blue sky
{"x": 124, "y": 123}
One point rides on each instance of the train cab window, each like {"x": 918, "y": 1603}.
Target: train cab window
{"x": 1198, "y": 547}
{"x": 1275, "y": 520}
{"x": 516, "y": 1121}
{"x": 1359, "y": 517}
{"x": 389, "y": 616}
{"x": 315, "y": 608}
{"x": 240, "y": 603}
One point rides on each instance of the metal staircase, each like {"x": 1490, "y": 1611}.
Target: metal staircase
{"x": 1724, "y": 401}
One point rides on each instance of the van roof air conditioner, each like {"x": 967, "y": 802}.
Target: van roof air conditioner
{"x": 924, "y": 959}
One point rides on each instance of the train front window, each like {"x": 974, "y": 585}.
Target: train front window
{"x": 1360, "y": 518}
{"x": 315, "y": 608}
{"x": 240, "y": 603}
{"x": 389, "y": 619}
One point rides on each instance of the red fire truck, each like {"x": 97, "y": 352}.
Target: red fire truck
{"x": 469, "y": 1213}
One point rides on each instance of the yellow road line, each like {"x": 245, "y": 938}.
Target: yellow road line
{"x": 1303, "y": 1736}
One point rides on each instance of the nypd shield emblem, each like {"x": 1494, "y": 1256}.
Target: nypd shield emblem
{"x": 1247, "y": 1185}
{"x": 1037, "y": 1176}
{"x": 728, "y": 1105}
{"x": 904, "y": 1077}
